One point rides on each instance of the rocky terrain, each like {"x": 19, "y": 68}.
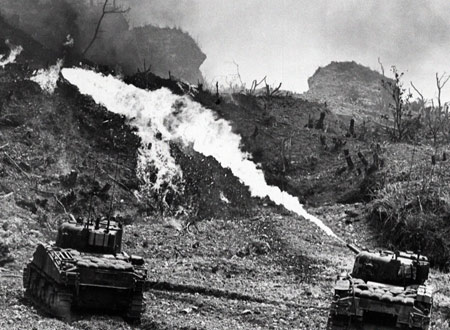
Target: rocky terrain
{"x": 242, "y": 263}
{"x": 350, "y": 89}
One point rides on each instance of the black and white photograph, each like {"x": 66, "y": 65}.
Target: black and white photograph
{"x": 224, "y": 164}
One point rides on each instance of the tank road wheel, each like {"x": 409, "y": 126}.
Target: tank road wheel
{"x": 46, "y": 296}
{"x": 329, "y": 323}
{"x": 41, "y": 287}
{"x": 33, "y": 284}
{"x": 135, "y": 308}
{"x": 338, "y": 322}
{"x": 26, "y": 277}
{"x": 29, "y": 281}
{"x": 60, "y": 303}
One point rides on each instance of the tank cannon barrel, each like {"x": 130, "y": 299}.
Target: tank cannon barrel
{"x": 354, "y": 248}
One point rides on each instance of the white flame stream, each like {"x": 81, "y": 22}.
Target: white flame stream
{"x": 179, "y": 118}
{"x": 14, "y": 52}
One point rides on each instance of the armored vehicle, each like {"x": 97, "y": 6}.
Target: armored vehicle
{"x": 86, "y": 268}
{"x": 386, "y": 285}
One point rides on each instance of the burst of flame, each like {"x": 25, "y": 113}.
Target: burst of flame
{"x": 14, "y": 52}
{"x": 178, "y": 118}
{"x": 168, "y": 173}
{"x": 47, "y": 78}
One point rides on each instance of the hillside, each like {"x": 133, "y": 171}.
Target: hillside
{"x": 217, "y": 258}
{"x": 350, "y": 89}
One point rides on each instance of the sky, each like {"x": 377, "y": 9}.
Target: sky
{"x": 287, "y": 40}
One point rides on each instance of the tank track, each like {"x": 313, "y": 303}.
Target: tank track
{"x": 348, "y": 323}
{"x": 46, "y": 294}
{"x": 337, "y": 323}
{"x": 135, "y": 307}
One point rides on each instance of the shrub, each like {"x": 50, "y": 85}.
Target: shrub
{"x": 413, "y": 218}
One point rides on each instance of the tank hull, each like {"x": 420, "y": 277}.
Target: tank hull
{"x": 60, "y": 280}
{"x": 405, "y": 307}
{"x": 357, "y": 308}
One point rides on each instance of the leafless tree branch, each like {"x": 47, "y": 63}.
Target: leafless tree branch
{"x": 381, "y": 65}
{"x": 417, "y": 91}
{"x": 97, "y": 28}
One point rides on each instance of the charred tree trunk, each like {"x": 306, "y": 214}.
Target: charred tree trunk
{"x": 323, "y": 141}
{"x": 348, "y": 159}
{"x": 217, "y": 93}
{"x": 351, "y": 129}
{"x": 310, "y": 122}
{"x": 363, "y": 159}
{"x": 338, "y": 144}
{"x": 376, "y": 160}
{"x": 320, "y": 122}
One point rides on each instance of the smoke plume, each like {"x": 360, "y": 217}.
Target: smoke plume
{"x": 178, "y": 118}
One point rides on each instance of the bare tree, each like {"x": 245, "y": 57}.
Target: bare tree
{"x": 399, "y": 103}
{"x": 105, "y": 12}
{"x": 383, "y": 99}
{"x": 270, "y": 93}
{"x": 255, "y": 84}
{"x": 439, "y": 115}
{"x": 440, "y": 83}
{"x": 436, "y": 117}
{"x": 422, "y": 100}
{"x": 234, "y": 81}
{"x": 381, "y": 65}
{"x": 286, "y": 153}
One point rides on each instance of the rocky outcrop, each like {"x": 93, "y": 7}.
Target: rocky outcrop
{"x": 349, "y": 89}
{"x": 169, "y": 49}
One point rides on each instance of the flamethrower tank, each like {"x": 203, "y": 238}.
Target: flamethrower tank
{"x": 86, "y": 269}
{"x": 386, "y": 284}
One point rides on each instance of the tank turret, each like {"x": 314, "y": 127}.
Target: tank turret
{"x": 400, "y": 268}
{"x": 105, "y": 236}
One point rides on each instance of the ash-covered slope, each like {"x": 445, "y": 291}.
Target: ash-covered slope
{"x": 349, "y": 89}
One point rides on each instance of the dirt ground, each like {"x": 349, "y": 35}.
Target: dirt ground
{"x": 271, "y": 271}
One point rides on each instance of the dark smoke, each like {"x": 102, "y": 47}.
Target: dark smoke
{"x": 171, "y": 13}
{"x": 48, "y": 22}
{"x": 117, "y": 45}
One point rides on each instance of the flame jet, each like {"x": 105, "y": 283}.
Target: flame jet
{"x": 11, "y": 58}
{"x": 47, "y": 78}
{"x": 178, "y": 118}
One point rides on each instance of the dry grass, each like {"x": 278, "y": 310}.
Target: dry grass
{"x": 412, "y": 209}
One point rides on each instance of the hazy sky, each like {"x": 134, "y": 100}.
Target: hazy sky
{"x": 288, "y": 39}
